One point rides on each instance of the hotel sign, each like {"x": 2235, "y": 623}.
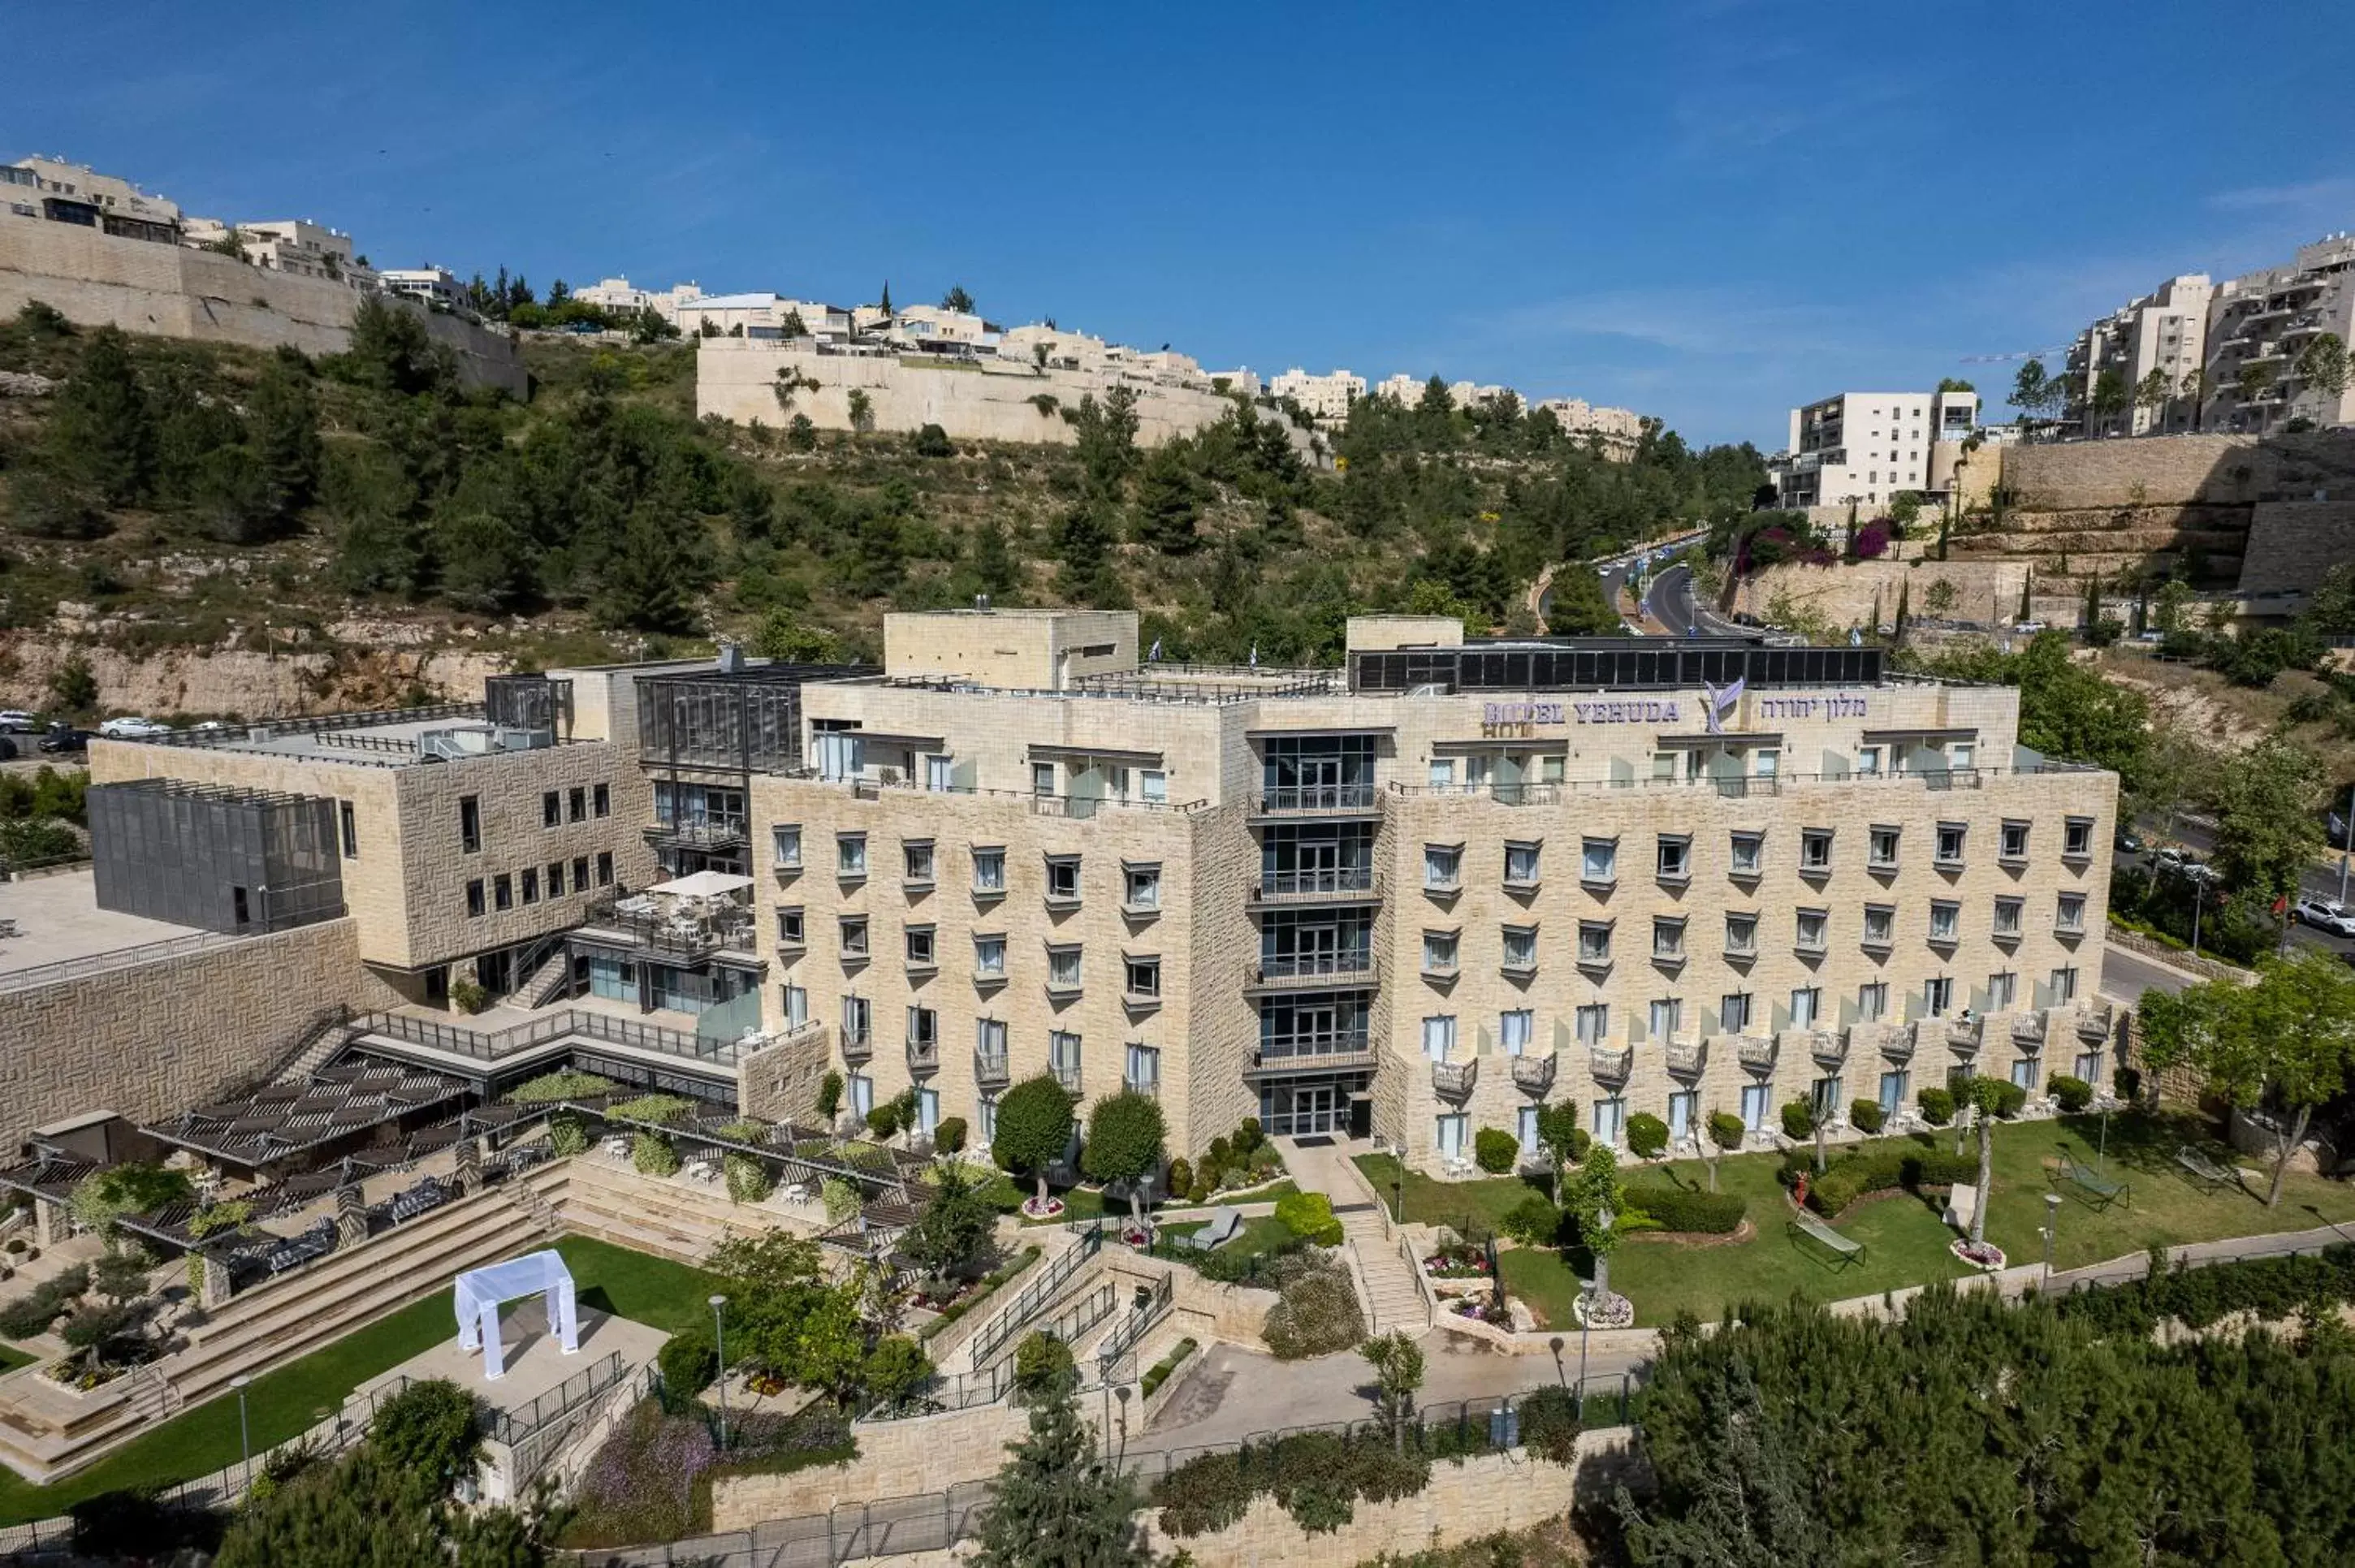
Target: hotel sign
{"x": 1832, "y": 705}
{"x": 1505, "y": 720}
{"x": 1511, "y": 721}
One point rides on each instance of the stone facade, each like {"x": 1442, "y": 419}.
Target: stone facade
{"x": 149, "y": 1040}
{"x": 2158, "y": 470}
{"x": 896, "y": 1459}
{"x": 2291, "y": 544}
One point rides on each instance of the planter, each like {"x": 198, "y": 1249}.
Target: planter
{"x": 1984, "y": 1255}
{"x": 1609, "y": 1311}
{"x": 1033, "y": 1208}
{"x": 1137, "y": 1236}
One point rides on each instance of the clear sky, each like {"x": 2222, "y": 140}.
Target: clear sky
{"x": 1707, "y": 210}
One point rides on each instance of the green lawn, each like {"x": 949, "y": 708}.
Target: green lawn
{"x": 11, "y": 1358}
{"x": 1906, "y": 1243}
{"x": 280, "y": 1405}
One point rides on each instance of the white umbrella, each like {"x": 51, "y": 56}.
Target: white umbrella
{"x": 702, "y": 885}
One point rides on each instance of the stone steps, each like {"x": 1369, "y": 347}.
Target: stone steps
{"x": 651, "y": 1214}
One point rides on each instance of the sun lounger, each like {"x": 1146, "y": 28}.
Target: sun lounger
{"x": 1223, "y": 1227}
{"x": 2099, "y": 1189}
{"x": 1962, "y": 1206}
{"x": 2207, "y": 1170}
{"x": 1846, "y": 1249}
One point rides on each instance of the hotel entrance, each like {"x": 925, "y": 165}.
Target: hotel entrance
{"x": 1334, "y": 1103}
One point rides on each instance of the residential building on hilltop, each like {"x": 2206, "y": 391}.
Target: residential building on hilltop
{"x": 1868, "y": 447}
{"x": 2112, "y": 364}
{"x": 433, "y": 286}
{"x": 294, "y": 246}
{"x": 61, "y": 192}
{"x": 1326, "y": 398}
{"x": 2258, "y": 326}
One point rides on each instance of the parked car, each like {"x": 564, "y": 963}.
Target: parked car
{"x": 2326, "y": 914}
{"x": 130, "y": 727}
{"x": 64, "y": 739}
{"x": 2168, "y": 860}
{"x": 2127, "y": 841}
{"x": 16, "y": 721}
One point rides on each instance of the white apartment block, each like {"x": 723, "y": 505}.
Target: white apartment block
{"x": 1401, "y": 389}
{"x": 304, "y": 250}
{"x": 2164, "y": 332}
{"x": 1618, "y": 429}
{"x": 2259, "y": 323}
{"x": 1868, "y": 447}
{"x": 433, "y": 286}
{"x": 929, "y": 329}
{"x": 1326, "y": 397}
{"x": 61, "y": 192}
{"x": 1243, "y": 382}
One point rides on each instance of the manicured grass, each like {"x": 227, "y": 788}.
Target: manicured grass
{"x": 1430, "y": 1202}
{"x": 12, "y": 1357}
{"x": 1256, "y": 1238}
{"x": 281, "y": 1405}
{"x": 1906, "y": 1243}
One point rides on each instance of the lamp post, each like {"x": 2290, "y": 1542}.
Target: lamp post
{"x": 1585, "y": 1333}
{"x": 1123, "y": 1392}
{"x": 719, "y": 1343}
{"x": 1554, "y": 1344}
{"x": 2102, "y": 1151}
{"x": 244, "y": 1435}
{"x": 2052, "y": 1226}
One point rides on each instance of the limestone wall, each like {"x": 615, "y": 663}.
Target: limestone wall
{"x": 2154, "y": 469}
{"x": 735, "y": 379}
{"x": 173, "y": 291}
{"x": 151, "y": 1039}
{"x": 2293, "y": 543}
{"x": 233, "y": 680}
{"x": 1848, "y": 595}
{"x": 896, "y": 1459}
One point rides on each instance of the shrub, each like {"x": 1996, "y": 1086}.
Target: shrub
{"x": 2010, "y": 1098}
{"x": 1158, "y": 1373}
{"x": 1534, "y": 1221}
{"x": 1725, "y": 1129}
{"x": 1248, "y": 1136}
{"x": 1317, "y": 1313}
{"x": 2274, "y": 1288}
{"x": 1043, "y": 1370}
{"x": 1936, "y": 1106}
{"x": 1181, "y": 1178}
{"x": 884, "y": 1121}
{"x": 662, "y": 1110}
{"x": 1316, "y": 1477}
{"x": 134, "y": 1189}
{"x": 1648, "y": 1135}
{"x": 2072, "y": 1094}
{"x": 949, "y": 1136}
{"x": 933, "y": 441}
{"x": 428, "y": 1430}
{"x": 687, "y": 1361}
{"x": 652, "y": 1155}
{"x": 1495, "y": 1150}
{"x": 895, "y": 1369}
{"x": 1867, "y": 1116}
{"x": 1798, "y": 1120}
{"x": 1309, "y": 1216}
{"x": 748, "y": 1178}
{"x": 567, "y": 1084}
{"x": 841, "y": 1199}
{"x": 991, "y": 1281}
{"x": 829, "y": 1097}
{"x": 1683, "y": 1210}
{"x": 469, "y": 996}
{"x": 1550, "y": 1424}
{"x": 33, "y": 1313}
{"x": 566, "y": 1136}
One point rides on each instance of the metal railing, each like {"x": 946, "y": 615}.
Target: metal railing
{"x": 120, "y": 959}
{"x": 1132, "y": 1329}
{"x": 1534, "y": 1073}
{"x": 923, "y": 1055}
{"x": 1353, "y": 965}
{"x": 994, "y": 1335}
{"x": 1323, "y": 882}
{"x": 1780, "y": 784}
{"x": 1454, "y": 1079}
{"x": 690, "y": 937}
{"x": 1344, "y": 1042}
{"x": 571, "y": 1023}
{"x": 1288, "y": 799}
{"x": 857, "y": 1044}
{"x": 513, "y": 1426}
{"x": 701, "y": 831}
{"x": 992, "y": 1067}
{"x": 1611, "y": 1063}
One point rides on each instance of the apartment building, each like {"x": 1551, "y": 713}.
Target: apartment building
{"x": 1326, "y": 397}
{"x": 1868, "y": 447}
{"x": 294, "y": 246}
{"x": 2258, "y": 326}
{"x": 1617, "y": 429}
{"x": 2162, "y": 334}
{"x": 1401, "y": 389}
{"x": 61, "y": 192}
{"x": 1424, "y": 894}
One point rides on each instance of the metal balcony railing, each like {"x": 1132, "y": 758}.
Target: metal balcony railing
{"x": 1320, "y": 883}
{"x": 1068, "y": 1075}
{"x": 702, "y": 833}
{"x": 1150, "y": 1086}
{"x": 1533, "y": 1074}
{"x": 1286, "y": 800}
{"x": 857, "y": 1045}
{"x": 1351, "y": 967}
{"x": 1827, "y": 1047}
{"x": 991, "y": 1067}
{"x": 1454, "y": 1079}
{"x": 1283, "y": 1049}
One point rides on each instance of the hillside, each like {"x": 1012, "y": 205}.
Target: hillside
{"x": 220, "y": 531}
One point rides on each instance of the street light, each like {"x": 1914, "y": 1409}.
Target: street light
{"x": 2052, "y": 1226}
{"x": 244, "y": 1435}
{"x": 1554, "y": 1344}
{"x": 1122, "y": 1393}
{"x": 719, "y": 1343}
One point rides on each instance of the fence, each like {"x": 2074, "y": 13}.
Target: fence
{"x": 572, "y": 1023}
{"x": 513, "y": 1426}
{"x": 121, "y": 958}
{"x": 995, "y": 1334}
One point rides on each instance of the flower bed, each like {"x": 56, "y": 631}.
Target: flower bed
{"x": 1979, "y": 1255}
{"x": 1482, "y": 1308}
{"x": 1457, "y": 1260}
{"x": 1051, "y": 1209}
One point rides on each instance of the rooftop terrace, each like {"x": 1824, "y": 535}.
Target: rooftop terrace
{"x": 393, "y": 738}
{"x": 51, "y": 929}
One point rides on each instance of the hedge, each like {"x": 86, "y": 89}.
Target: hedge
{"x": 1495, "y": 1150}
{"x": 1683, "y": 1209}
{"x": 989, "y": 1284}
{"x": 1534, "y": 1221}
{"x": 1309, "y": 1216}
{"x": 2072, "y": 1093}
{"x": 1158, "y": 1373}
{"x": 1881, "y": 1169}
{"x": 1937, "y": 1105}
{"x": 1798, "y": 1120}
{"x": 2274, "y": 1288}
{"x": 1868, "y": 1117}
{"x": 1648, "y": 1135}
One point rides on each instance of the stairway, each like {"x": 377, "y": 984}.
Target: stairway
{"x": 550, "y": 983}
{"x": 1393, "y": 1298}
{"x": 596, "y": 1196}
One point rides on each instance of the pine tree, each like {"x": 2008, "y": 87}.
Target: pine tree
{"x": 102, "y": 435}
{"x": 1056, "y": 1505}
{"x": 1166, "y": 503}
{"x": 284, "y": 420}
{"x": 1083, "y": 542}
{"x": 887, "y": 296}
{"x": 1904, "y": 608}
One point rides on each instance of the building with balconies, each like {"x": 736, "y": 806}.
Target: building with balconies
{"x": 1870, "y": 447}
{"x": 2260, "y": 325}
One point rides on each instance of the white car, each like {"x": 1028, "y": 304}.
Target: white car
{"x": 16, "y": 721}
{"x": 2328, "y": 914}
{"x": 128, "y": 727}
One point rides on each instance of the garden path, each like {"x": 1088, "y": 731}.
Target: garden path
{"x": 1386, "y": 1285}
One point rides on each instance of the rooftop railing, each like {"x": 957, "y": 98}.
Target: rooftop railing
{"x": 493, "y": 1045}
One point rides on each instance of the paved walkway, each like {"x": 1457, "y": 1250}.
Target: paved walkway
{"x": 1386, "y": 1285}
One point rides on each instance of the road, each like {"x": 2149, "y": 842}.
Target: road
{"x": 2320, "y": 879}
{"x": 1676, "y": 606}
{"x": 2126, "y": 976}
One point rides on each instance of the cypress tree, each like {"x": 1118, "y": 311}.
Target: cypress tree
{"x": 102, "y": 434}
{"x": 2027, "y": 589}
{"x": 1055, "y": 1504}
{"x": 1904, "y": 607}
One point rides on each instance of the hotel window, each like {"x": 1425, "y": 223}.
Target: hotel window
{"x": 1868, "y": 761}
{"x": 1610, "y": 1118}
{"x": 1153, "y": 786}
{"x": 786, "y": 843}
{"x": 1815, "y": 850}
{"x": 1595, "y": 941}
{"x": 1144, "y": 887}
{"x": 988, "y": 873}
{"x": 556, "y": 879}
{"x": 1741, "y": 935}
{"x": 1769, "y": 763}
{"x": 916, "y": 863}
{"x": 1665, "y": 1017}
{"x": 2023, "y": 1073}
{"x": 1443, "y": 868}
{"x": 1945, "y": 921}
{"x": 601, "y": 801}
{"x": 604, "y": 869}
{"x": 1439, "y": 1036}
{"x": 1598, "y": 861}
{"x": 1520, "y": 865}
{"x": 1062, "y": 968}
{"x": 861, "y": 1087}
{"x": 1439, "y": 949}
{"x": 1448, "y": 1132}
{"x": 1733, "y": 1011}
{"x": 989, "y": 1037}
{"x": 1668, "y": 939}
{"x": 1674, "y": 858}
{"x": 1521, "y": 949}
{"x": 1063, "y": 1057}
{"x": 1881, "y": 850}
{"x": 850, "y": 854}
{"x": 470, "y": 825}
{"x": 2069, "y": 914}
{"x": 1807, "y": 1003}
{"x": 530, "y": 884}
{"x": 2077, "y": 837}
{"x": 1442, "y": 773}
{"x": 1042, "y": 779}
{"x": 2063, "y": 988}
{"x": 1950, "y": 843}
{"x": 2007, "y": 918}
{"x": 989, "y": 957}
{"x": 985, "y": 1107}
{"x": 1063, "y": 879}
{"x": 1937, "y": 995}
{"x": 1515, "y": 1029}
{"x": 1142, "y": 979}
{"x": 920, "y": 949}
{"x": 792, "y": 927}
{"x": 1745, "y": 853}
{"x": 552, "y": 810}
{"x": 923, "y": 1030}
{"x": 795, "y": 999}
{"x": 1880, "y": 925}
{"x": 852, "y": 929}
{"x": 503, "y": 891}
{"x": 475, "y": 898}
{"x": 1526, "y": 1126}
{"x": 1812, "y": 930}
{"x": 348, "y": 825}
{"x": 1143, "y": 1069}
{"x": 576, "y": 801}
{"x": 2003, "y": 989}
{"x": 1872, "y": 1001}
{"x": 1594, "y": 1023}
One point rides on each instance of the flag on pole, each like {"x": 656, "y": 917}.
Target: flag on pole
{"x": 1254, "y": 655}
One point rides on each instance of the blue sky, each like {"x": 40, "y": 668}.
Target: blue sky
{"x": 1707, "y": 210}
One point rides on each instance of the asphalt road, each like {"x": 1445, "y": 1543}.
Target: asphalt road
{"x": 2320, "y": 880}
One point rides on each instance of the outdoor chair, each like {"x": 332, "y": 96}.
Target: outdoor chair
{"x": 1962, "y": 1205}
{"x": 1846, "y": 1250}
{"x": 2100, "y": 1191}
{"x": 2207, "y": 1172}
{"x": 1225, "y": 1223}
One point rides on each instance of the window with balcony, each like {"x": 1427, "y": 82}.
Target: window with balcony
{"x": 1741, "y": 936}
{"x": 1443, "y": 868}
{"x": 852, "y": 931}
{"x": 1945, "y": 921}
{"x": 988, "y": 873}
{"x": 857, "y": 1021}
{"x": 1814, "y": 851}
{"x": 1063, "y": 879}
{"x": 1880, "y": 925}
{"x": 1812, "y": 931}
{"x": 2002, "y": 990}
{"x": 785, "y": 844}
{"x": 1937, "y": 995}
{"x": 1806, "y": 1006}
{"x": 2077, "y": 837}
{"x": 1439, "y": 952}
{"x": 922, "y": 952}
{"x": 1141, "y": 887}
{"x": 1042, "y": 780}
{"x": 1593, "y": 1020}
{"x": 1951, "y": 835}
{"x": 1521, "y": 865}
{"x": 1063, "y": 1058}
{"x": 1666, "y": 1015}
{"x": 1734, "y": 1010}
{"x": 1598, "y": 863}
{"x": 1520, "y": 949}
{"x": 1872, "y": 1001}
{"x": 551, "y": 809}
{"x": 2011, "y": 842}
{"x": 1141, "y": 979}
{"x": 2007, "y": 920}
{"x": 1439, "y": 1036}
{"x": 1673, "y": 858}
{"x": 792, "y": 927}
{"x": 984, "y": 1108}
{"x": 1595, "y": 941}
{"x": 916, "y": 862}
{"x": 1153, "y": 786}
{"x": 1881, "y": 850}
{"x": 2069, "y": 914}
{"x": 1514, "y": 1030}
{"x": 1668, "y": 939}
{"x": 1440, "y": 774}
{"x": 1746, "y": 854}
{"x": 850, "y": 856}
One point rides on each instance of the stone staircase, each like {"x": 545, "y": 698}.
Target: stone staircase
{"x": 1392, "y": 1298}
{"x": 592, "y": 1195}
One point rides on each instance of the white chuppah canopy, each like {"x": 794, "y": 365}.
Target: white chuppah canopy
{"x": 480, "y": 1291}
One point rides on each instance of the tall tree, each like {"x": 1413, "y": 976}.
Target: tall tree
{"x": 283, "y": 416}
{"x": 1575, "y": 606}
{"x": 101, "y": 430}
{"x": 1597, "y": 1197}
{"x": 1168, "y": 501}
{"x": 1397, "y": 1361}
{"x": 1124, "y": 1145}
{"x": 1034, "y": 1128}
{"x": 1056, "y": 1504}
{"x": 956, "y": 299}
{"x": 1983, "y": 1095}
{"x": 2268, "y": 818}
{"x": 1107, "y": 437}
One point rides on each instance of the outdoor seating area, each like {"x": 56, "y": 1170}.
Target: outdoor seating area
{"x": 316, "y": 1241}
{"x": 413, "y": 1202}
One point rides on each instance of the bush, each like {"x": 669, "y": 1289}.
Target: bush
{"x": 1534, "y": 1221}
{"x": 1867, "y": 1116}
{"x": 933, "y": 441}
{"x": 1248, "y": 1138}
{"x": 32, "y": 1313}
{"x": 829, "y": 1097}
{"x": 1044, "y": 1369}
{"x": 689, "y": 1360}
{"x": 1798, "y": 1120}
{"x": 1309, "y": 1216}
{"x": 1550, "y": 1424}
{"x": 1648, "y": 1135}
{"x": 2072, "y": 1094}
{"x": 652, "y": 1155}
{"x": 1317, "y": 1313}
{"x": 1683, "y": 1210}
{"x": 1181, "y": 1178}
{"x": 566, "y": 1136}
{"x": 428, "y": 1430}
{"x": 1158, "y": 1373}
{"x": 662, "y": 1110}
{"x": 1725, "y": 1129}
{"x": 1936, "y": 1106}
{"x": 883, "y": 1121}
{"x": 1316, "y": 1477}
{"x": 748, "y": 1178}
{"x": 1495, "y": 1151}
{"x": 990, "y": 1283}
{"x": 469, "y": 996}
{"x": 2274, "y": 1288}
{"x": 949, "y": 1136}
{"x": 841, "y": 1199}
{"x": 2010, "y": 1098}
{"x": 568, "y": 1084}
{"x": 1877, "y": 1168}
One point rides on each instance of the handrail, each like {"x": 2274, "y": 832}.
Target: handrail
{"x": 994, "y": 1334}
{"x": 512, "y": 1426}
{"x": 1127, "y": 1335}
{"x": 121, "y": 958}
{"x": 491, "y": 1046}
